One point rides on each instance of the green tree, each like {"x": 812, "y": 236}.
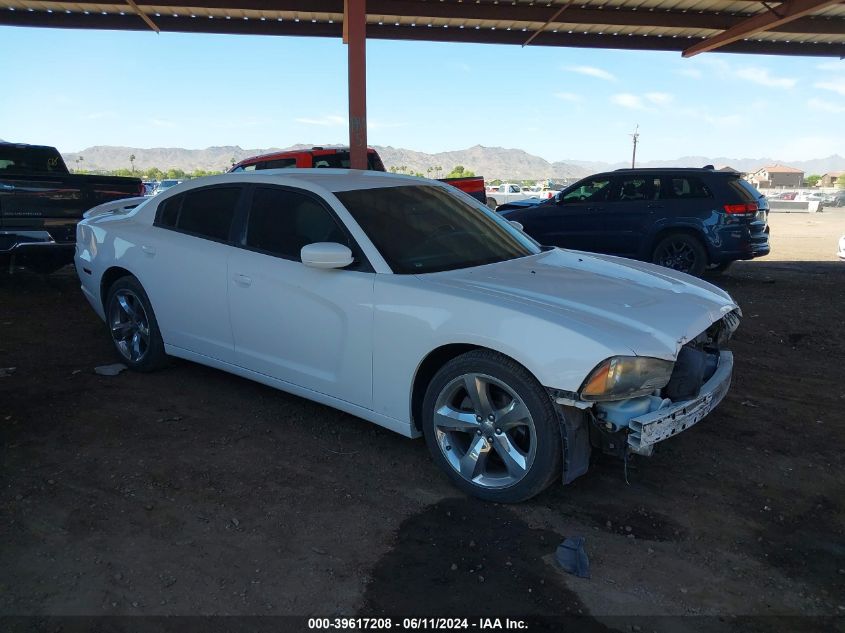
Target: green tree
{"x": 175, "y": 173}
{"x": 153, "y": 173}
{"x": 840, "y": 182}
{"x": 132, "y": 162}
{"x": 812, "y": 180}
{"x": 459, "y": 171}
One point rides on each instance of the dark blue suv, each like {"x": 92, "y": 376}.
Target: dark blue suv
{"x": 691, "y": 220}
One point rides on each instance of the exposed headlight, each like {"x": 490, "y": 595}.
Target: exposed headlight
{"x": 624, "y": 377}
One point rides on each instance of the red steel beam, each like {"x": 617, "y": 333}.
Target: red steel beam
{"x": 783, "y": 14}
{"x": 355, "y": 30}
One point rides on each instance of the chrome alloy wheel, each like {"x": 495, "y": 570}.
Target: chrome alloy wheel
{"x": 485, "y": 431}
{"x": 130, "y": 327}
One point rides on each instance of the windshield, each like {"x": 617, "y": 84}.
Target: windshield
{"x": 426, "y": 229}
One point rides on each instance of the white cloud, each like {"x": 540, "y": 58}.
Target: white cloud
{"x": 328, "y": 120}
{"x": 592, "y": 71}
{"x": 825, "y": 106}
{"x": 627, "y": 100}
{"x": 690, "y": 72}
{"x": 569, "y": 96}
{"x": 836, "y": 85}
{"x": 659, "y": 98}
{"x": 764, "y": 78}
{"x": 638, "y": 102}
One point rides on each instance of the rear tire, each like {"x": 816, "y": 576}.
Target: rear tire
{"x": 682, "y": 252}
{"x": 492, "y": 428}
{"x": 133, "y": 326}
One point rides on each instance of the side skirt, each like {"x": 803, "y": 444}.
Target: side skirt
{"x": 397, "y": 426}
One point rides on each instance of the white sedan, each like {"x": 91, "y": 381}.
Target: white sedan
{"x": 409, "y": 304}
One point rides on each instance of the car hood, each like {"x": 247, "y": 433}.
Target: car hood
{"x": 650, "y": 310}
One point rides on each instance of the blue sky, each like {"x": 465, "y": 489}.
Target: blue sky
{"x": 74, "y": 89}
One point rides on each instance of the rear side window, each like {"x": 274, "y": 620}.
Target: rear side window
{"x": 683, "y": 187}
{"x": 636, "y": 188}
{"x": 205, "y": 213}
{"x": 168, "y": 212}
{"x": 16, "y": 159}
{"x": 281, "y": 222}
{"x": 746, "y": 191}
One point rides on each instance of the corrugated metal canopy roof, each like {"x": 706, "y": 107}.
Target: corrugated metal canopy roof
{"x": 792, "y": 27}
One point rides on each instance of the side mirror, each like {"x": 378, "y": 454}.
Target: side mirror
{"x": 517, "y": 225}
{"x": 326, "y": 255}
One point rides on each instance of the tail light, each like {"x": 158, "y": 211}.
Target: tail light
{"x": 741, "y": 209}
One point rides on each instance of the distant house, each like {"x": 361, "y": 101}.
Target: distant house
{"x": 730, "y": 169}
{"x": 776, "y": 176}
{"x": 830, "y": 178}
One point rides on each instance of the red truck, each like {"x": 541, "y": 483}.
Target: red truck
{"x": 338, "y": 157}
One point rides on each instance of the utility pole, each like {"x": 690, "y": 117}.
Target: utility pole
{"x": 635, "y": 137}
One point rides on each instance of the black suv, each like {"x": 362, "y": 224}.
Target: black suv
{"x": 687, "y": 219}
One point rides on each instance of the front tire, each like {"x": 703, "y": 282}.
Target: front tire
{"x": 133, "y": 326}
{"x": 492, "y": 428}
{"x": 682, "y": 252}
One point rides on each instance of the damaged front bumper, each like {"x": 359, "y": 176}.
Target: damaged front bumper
{"x": 635, "y": 425}
{"x": 648, "y": 429}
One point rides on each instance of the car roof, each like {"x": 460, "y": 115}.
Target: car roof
{"x": 670, "y": 170}
{"x": 326, "y": 178}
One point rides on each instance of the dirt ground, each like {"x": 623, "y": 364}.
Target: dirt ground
{"x": 191, "y": 491}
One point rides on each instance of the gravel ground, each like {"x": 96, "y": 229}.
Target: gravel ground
{"x": 193, "y": 492}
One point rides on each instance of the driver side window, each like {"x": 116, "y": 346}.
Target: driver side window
{"x": 281, "y": 222}
{"x": 592, "y": 190}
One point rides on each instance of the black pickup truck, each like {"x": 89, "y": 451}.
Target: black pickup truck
{"x": 41, "y": 202}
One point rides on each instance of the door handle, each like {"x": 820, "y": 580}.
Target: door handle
{"x": 242, "y": 280}
{"x": 148, "y": 250}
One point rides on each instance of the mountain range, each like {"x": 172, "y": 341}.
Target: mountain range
{"x": 490, "y": 162}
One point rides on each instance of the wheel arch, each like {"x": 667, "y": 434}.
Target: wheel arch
{"x": 111, "y": 275}
{"x": 685, "y": 229}
{"x": 432, "y": 363}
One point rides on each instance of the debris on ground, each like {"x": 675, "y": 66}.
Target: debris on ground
{"x": 110, "y": 370}
{"x": 572, "y": 558}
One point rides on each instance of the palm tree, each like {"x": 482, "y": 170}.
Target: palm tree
{"x": 132, "y": 162}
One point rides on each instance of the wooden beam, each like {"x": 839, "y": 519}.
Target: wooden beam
{"x": 143, "y": 16}
{"x": 787, "y": 12}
